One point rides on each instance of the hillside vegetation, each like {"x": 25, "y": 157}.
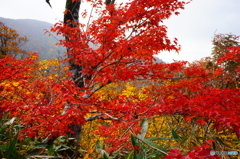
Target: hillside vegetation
{"x": 37, "y": 41}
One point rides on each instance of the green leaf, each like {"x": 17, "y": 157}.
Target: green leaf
{"x": 11, "y": 150}
{"x": 62, "y": 148}
{"x": 3, "y": 147}
{"x": 221, "y": 142}
{"x": 155, "y": 155}
{"x": 98, "y": 145}
{"x": 141, "y": 156}
{"x": 40, "y": 145}
{"x": 153, "y": 144}
{"x": 50, "y": 149}
{"x": 130, "y": 156}
{"x": 158, "y": 138}
{"x": 184, "y": 139}
{"x": 193, "y": 143}
{"x": 175, "y": 135}
{"x": 134, "y": 140}
{"x": 33, "y": 152}
{"x": 144, "y": 126}
{"x": 104, "y": 154}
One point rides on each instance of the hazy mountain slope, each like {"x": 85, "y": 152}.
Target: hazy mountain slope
{"x": 37, "y": 40}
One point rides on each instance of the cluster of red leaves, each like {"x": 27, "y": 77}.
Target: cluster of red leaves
{"x": 117, "y": 45}
{"x": 199, "y": 152}
{"x": 39, "y": 103}
{"x": 13, "y": 70}
{"x": 232, "y": 54}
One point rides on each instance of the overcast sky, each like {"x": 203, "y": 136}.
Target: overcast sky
{"x": 194, "y": 27}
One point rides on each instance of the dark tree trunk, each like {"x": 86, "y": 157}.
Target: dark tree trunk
{"x": 71, "y": 18}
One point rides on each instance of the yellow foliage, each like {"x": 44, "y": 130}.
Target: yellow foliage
{"x": 11, "y": 42}
{"x": 89, "y": 139}
{"x": 131, "y": 90}
{"x": 110, "y": 91}
{"x": 47, "y": 64}
{"x": 51, "y": 69}
{"x": 15, "y": 84}
{"x": 127, "y": 89}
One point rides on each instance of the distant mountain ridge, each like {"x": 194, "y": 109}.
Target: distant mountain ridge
{"x": 37, "y": 40}
{"x": 40, "y": 42}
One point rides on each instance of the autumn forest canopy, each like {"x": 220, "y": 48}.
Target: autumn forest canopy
{"x": 109, "y": 98}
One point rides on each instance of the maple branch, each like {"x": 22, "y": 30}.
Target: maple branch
{"x": 128, "y": 63}
{"x": 93, "y": 117}
{"x": 174, "y": 78}
{"x": 95, "y": 90}
{"x": 111, "y": 117}
{"x": 100, "y": 69}
{"x": 51, "y": 34}
{"x": 94, "y": 111}
{"x": 106, "y": 57}
{"x": 79, "y": 78}
{"x": 90, "y": 16}
{"x": 152, "y": 105}
{"x": 97, "y": 65}
{"x": 51, "y": 94}
{"x": 99, "y": 116}
{"x": 137, "y": 26}
{"x": 130, "y": 127}
{"x": 133, "y": 29}
{"x": 11, "y": 75}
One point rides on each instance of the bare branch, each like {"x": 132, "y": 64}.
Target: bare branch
{"x": 100, "y": 116}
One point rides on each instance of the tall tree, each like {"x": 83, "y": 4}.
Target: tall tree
{"x": 84, "y": 74}
{"x": 11, "y": 42}
{"x": 221, "y": 44}
{"x": 71, "y": 19}
{"x": 224, "y": 47}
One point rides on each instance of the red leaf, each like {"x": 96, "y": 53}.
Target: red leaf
{"x": 201, "y": 122}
